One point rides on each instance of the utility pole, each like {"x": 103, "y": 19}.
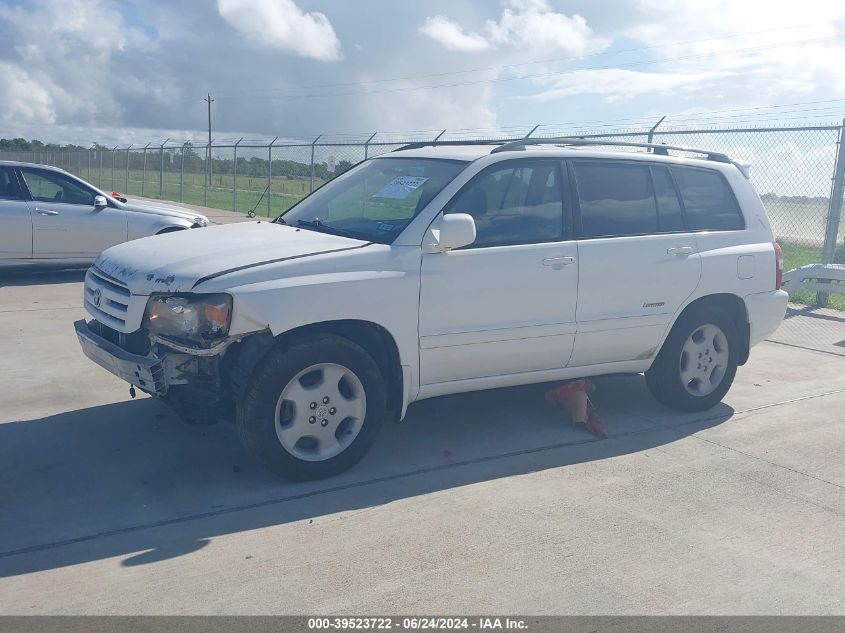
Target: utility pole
{"x": 208, "y": 174}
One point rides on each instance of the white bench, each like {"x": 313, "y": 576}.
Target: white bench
{"x": 825, "y": 278}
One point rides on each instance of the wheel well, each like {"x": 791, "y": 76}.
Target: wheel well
{"x": 735, "y": 307}
{"x": 377, "y": 342}
{"x": 171, "y": 229}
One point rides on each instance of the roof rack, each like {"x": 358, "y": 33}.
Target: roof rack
{"x": 572, "y": 141}
{"x": 436, "y": 143}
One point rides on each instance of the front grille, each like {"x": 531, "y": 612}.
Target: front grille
{"x": 107, "y": 299}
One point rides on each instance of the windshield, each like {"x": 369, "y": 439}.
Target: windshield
{"x": 376, "y": 200}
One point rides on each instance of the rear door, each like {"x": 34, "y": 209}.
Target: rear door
{"x": 15, "y": 218}
{"x": 66, "y": 224}
{"x": 638, "y": 261}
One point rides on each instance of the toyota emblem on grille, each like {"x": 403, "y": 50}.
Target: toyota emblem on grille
{"x": 96, "y": 297}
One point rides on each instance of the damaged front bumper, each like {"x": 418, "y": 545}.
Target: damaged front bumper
{"x": 200, "y": 385}
{"x": 145, "y": 372}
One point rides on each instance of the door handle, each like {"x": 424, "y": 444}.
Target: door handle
{"x": 46, "y": 211}
{"x": 558, "y": 262}
{"x": 680, "y": 250}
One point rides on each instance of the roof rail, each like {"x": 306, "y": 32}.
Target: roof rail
{"x": 436, "y": 143}
{"x": 519, "y": 144}
{"x": 574, "y": 141}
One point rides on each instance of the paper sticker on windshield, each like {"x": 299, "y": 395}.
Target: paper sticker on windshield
{"x": 400, "y": 187}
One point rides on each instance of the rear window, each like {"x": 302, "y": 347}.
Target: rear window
{"x": 615, "y": 199}
{"x": 709, "y": 203}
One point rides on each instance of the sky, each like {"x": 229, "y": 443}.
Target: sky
{"x": 130, "y": 71}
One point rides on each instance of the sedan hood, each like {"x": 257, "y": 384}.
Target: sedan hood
{"x": 176, "y": 262}
{"x": 166, "y": 210}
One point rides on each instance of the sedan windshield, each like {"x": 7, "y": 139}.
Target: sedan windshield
{"x": 376, "y": 200}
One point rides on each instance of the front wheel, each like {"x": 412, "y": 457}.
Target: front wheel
{"x": 314, "y": 409}
{"x": 697, "y": 363}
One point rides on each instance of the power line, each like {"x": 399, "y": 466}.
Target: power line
{"x": 554, "y": 60}
{"x": 537, "y": 75}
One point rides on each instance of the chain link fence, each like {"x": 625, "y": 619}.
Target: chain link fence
{"x": 798, "y": 171}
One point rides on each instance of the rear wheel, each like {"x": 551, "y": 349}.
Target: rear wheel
{"x": 314, "y": 409}
{"x": 697, "y": 363}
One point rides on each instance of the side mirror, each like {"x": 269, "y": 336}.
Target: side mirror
{"x": 456, "y": 230}
{"x": 100, "y": 202}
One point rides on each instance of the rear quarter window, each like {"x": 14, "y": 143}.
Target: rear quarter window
{"x": 709, "y": 203}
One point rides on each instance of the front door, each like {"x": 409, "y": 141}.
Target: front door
{"x": 506, "y": 303}
{"x": 638, "y": 261}
{"x": 66, "y": 224}
{"x": 15, "y": 218}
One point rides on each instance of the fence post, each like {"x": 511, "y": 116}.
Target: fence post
{"x": 207, "y": 182}
{"x": 235, "y": 177}
{"x": 652, "y": 130}
{"x": 144, "y": 169}
{"x": 314, "y": 142}
{"x": 270, "y": 174}
{"x": 113, "y": 155}
{"x": 834, "y": 209}
{"x": 161, "y": 171}
{"x": 367, "y": 146}
{"x": 182, "y": 171}
{"x": 126, "y": 189}
{"x": 89, "y": 165}
{"x": 100, "y": 172}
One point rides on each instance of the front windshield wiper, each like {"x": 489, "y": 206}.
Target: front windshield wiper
{"x": 319, "y": 225}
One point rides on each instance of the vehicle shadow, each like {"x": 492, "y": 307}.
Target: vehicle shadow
{"x": 37, "y": 277}
{"x": 131, "y": 480}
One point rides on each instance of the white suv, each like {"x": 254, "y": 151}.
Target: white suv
{"x": 442, "y": 269}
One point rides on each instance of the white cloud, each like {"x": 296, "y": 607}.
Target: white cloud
{"x": 22, "y": 99}
{"x": 529, "y": 25}
{"x": 63, "y": 56}
{"x": 282, "y": 25}
{"x": 450, "y": 34}
{"x": 615, "y": 84}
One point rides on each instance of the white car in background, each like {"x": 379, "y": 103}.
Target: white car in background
{"x": 51, "y": 217}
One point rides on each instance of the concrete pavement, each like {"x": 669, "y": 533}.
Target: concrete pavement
{"x": 485, "y": 502}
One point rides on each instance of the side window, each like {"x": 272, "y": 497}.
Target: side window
{"x": 669, "y": 217}
{"x": 9, "y": 189}
{"x": 615, "y": 199}
{"x": 518, "y": 202}
{"x": 48, "y": 186}
{"x": 709, "y": 203}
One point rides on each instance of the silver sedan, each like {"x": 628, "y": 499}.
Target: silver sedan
{"x": 51, "y": 217}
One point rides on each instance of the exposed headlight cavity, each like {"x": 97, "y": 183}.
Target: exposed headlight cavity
{"x": 197, "y": 320}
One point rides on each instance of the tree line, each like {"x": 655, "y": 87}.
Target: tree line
{"x": 194, "y": 161}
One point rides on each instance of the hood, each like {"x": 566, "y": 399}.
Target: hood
{"x": 160, "y": 208}
{"x": 176, "y": 262}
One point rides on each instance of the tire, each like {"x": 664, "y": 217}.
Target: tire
{"x": 171, "y": 229}
{"x": 313, "y": 409}
{"x": 693, "y": 370}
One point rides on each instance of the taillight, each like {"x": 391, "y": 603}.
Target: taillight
{"x": 778, "y": 266}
